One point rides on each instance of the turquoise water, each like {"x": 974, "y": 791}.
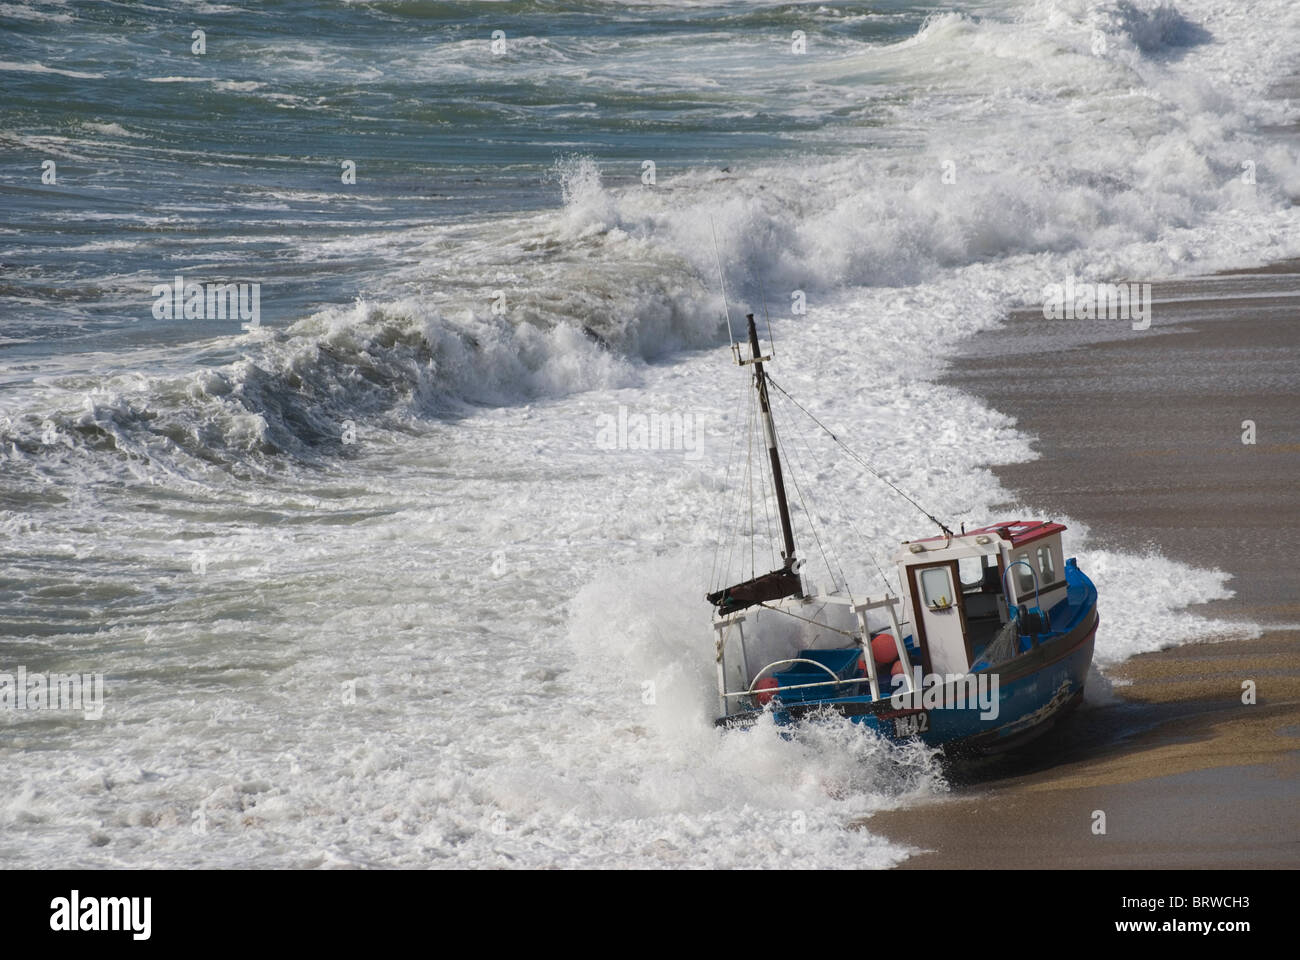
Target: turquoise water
{"x": 229, "y": 164}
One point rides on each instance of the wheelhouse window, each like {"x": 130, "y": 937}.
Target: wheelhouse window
{"x": 1046, "y": 565}
{"x": 936, "y": 588}
{"x": 1024, "y": 577}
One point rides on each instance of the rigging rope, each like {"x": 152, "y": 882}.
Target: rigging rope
{"x": 715, "y": 578}
{"x": 736, "y": 512}
{"x": 796, "y": 465}
{"x": 818, "y": 623}
{"x": 767, "y": 514}
{"x": 752, "y": 571}
{"x": 942, "y": 526}
{"x": 846, "y": 513}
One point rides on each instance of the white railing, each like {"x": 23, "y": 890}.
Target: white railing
{"x": 834, "y": 681}
{"x": 863, "y": 640}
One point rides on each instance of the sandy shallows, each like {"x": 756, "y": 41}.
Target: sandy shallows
{"x": 1141, "y": 439}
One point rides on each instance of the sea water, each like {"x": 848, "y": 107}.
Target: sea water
{"x": 367, "y": 581}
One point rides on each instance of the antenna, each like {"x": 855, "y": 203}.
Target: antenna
{"x": 723, "y": 280}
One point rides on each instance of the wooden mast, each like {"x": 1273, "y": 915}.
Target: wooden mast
{"x": 784, "y": 582}
{"x": 769, "y": 433}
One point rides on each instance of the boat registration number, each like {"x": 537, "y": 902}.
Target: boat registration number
{"x": 912, "y": 724}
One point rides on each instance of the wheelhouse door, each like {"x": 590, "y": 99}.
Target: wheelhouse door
{"x": 937, "y": 602}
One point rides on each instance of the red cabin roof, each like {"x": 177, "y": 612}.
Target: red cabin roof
{"x": 1019, "y": 532}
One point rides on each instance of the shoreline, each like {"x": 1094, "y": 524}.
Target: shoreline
{"x": 1142, "y": 441}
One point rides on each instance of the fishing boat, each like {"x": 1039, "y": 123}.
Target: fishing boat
{"x": 985, "y": 644}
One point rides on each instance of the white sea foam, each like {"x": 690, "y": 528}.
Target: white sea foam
{"x": 112, "y": 130}
{"x": 24, "y": 11}
{"x": 42, "y": 68}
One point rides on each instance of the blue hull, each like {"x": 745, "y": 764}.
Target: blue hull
{"x": 1033, "y": 690}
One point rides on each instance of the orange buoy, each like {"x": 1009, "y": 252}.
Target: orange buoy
{"x": 883, "y": 648}
{"x": 765, "y": 689}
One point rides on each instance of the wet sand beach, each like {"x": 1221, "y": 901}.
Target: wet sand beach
{"x": 1140, "y": 433}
